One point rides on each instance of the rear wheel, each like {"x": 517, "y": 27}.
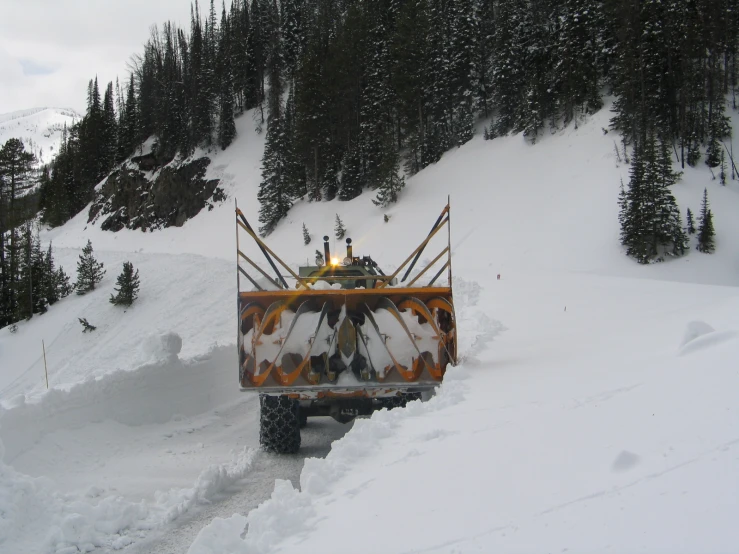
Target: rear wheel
{"x": 279, "y": 424}
{"x": 400, "y": 400}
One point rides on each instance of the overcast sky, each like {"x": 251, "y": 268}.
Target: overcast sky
{"x": 50, "y": 49}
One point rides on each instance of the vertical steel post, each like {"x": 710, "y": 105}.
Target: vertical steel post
{"x": 238, "y": 278}
{"x": 238, "y": 281}
{"x": 449, "y": 235}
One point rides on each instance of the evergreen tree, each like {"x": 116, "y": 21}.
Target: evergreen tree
{"x": 24, "y": 301}
{"x": 392, "y": 182}
{"x": 89, "y": 271}
{"x": 295, "y": 170}
{"x": 306, "y": 235}
{"x": 691, "y": 223}
{"x": 339, "y": 229}
{"x": 62, "y": 283}
{"x": 508, "y": 79}
{"x": 351, "y": 176}
{"x": 623, "y": 210}
{"x": 705, "y": 227}
{"x": 274, "y": 192}
{"x": 319, "y": 258}
{"x": 226, "y": 125}
{"x": 130, "y": 122}
{"x": 109, "y": 131}
{"x": 16, "y": 179}
{"x": 650, "y": 219}
{"x": 127, "y": 289}
{"x": 49, "y": 285}
{"x": 463, "y": 72}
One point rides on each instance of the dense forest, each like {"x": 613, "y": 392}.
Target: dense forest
{"x": 352, "y": 91}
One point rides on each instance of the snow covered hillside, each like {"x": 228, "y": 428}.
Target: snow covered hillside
{"x": 593, "y": 409}
{"x": 40, "y": 129}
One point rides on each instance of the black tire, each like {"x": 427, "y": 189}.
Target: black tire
{"x": 279, "y": 424}
{"x": 400, "y": 400}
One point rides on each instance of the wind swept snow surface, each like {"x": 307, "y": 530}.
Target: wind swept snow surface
{"x": 583, "y": 430}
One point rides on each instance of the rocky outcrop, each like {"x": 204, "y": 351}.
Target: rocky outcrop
{"x": 133, "y": 197}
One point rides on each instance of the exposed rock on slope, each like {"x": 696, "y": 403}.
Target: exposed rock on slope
{"x": 136, "y": 198}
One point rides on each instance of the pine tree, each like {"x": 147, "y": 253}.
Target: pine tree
{"x": 128, "y": 286}
{"x": 463, "y": 72}
{"x": 649, "y": 216}
{"x": 691, "y": 223}
{"x": 274, "y": 192}
{"x": 109, "y": 131}
{"x": 62, "y": 283}
{"x": 339, "y": 229}
{"x": 306, "y": 235}
{"x": 705, "y": 227}
{"x": 319, "y": 258}
{"x": 89, "y": 271}
{"x": 722, "y": 172}
{"x": 226, "y": 124}
{"x": 391, "y": 182}
{"x": 50, "y": 290}
{"x": 623, "y": 209}
{"x": 351, "y": 176}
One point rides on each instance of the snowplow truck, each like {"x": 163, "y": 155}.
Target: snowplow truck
{"x": 340, "y": 338}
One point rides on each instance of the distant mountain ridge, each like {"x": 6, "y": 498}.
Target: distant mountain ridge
{"x": 40, "y": 129}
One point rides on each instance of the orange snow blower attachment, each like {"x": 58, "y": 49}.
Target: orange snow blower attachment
{"x": 344, "y": 328}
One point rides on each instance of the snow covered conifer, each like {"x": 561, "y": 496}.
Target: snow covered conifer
{"x": 89, "y": 271}
{"x": 62, "y": 284}
{"x": 340, "y": 230}
{"x": 391, "y": 181}
{"x": 623, "y": 206}
{"x": 691, "y": 223}
{"x": 319, "y": 258}
{"x": 274, "y": 194}
{"x": 705, "y": 227}
{"x": 306, "y": 235}
{"x": 128, "y": 286}
{"x": 649, "y": 217}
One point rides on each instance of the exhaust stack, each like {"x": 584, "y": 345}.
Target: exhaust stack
{"x": 349, "y": 249}
{"x": 326, "y": 251}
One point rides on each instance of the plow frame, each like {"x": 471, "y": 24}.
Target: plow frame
{"x": 260, "y": 310}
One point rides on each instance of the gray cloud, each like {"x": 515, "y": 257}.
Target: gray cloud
{"x": 49, "y": 49}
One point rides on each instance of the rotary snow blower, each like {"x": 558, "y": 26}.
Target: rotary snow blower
{"x": 345, "y": 339}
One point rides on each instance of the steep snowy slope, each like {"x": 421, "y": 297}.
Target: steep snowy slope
{"x": 546, "y": 423}
{"x": 40, "y": 129}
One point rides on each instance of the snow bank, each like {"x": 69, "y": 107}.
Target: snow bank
{"x": 189, "y": 297}
{"x": 154, "y": 393}
{"x": 36, "y": 518}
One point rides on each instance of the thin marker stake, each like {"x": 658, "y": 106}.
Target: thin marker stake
{"x": 46, "y": 371}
